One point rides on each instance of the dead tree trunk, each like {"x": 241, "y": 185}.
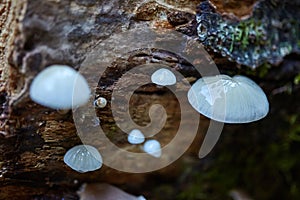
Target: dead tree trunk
{"x": 36, "y": 34}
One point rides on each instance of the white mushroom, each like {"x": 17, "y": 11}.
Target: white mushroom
{"x": 83, "y": 158}
{"x": 136, "y": 137}
{"x": 103, "y": 191}
{"x": 59, "y": 87}
{"x": 153, "y": 148}
{"x": 229, "y": 100}
{"x": 163, "y": 77}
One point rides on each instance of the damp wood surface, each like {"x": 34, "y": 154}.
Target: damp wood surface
{"x": 35, "y": 35}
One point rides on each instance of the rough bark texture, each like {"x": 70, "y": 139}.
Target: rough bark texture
{"x": 35, "y": 35}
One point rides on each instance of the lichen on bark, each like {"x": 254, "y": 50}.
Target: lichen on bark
{"x": 269, "y": 34}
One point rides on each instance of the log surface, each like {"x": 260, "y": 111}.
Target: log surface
{"x": 35, "y": 35}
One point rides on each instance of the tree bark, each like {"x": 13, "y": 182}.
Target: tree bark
{"x": 36, "y": 34}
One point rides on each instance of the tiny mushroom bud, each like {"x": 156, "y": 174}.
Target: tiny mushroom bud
{"x": 83, "y": 158}
{"x": 153, "y": 148}
{"x": 163, "y": 77}
{"x": 229, "y": 100}
{"x": 59, "y": 87}
{"x": 100, "y": 102}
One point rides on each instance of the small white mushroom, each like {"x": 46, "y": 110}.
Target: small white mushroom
{"x": 239, "y": 195}
{"x": 59, "y": 87}
{"x": 229, "y": 100}
{"x": 163, "y": 77}
{"x": 136, "y": 137}
{"x": 83, "y": 158}
{"x": 103, "y": 191}
{"x": 153, "y": 148}
{"x": 100, "y": 102}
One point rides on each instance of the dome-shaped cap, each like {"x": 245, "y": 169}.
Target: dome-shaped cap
{"x": 136, "y": 137}
{"x": 229, "y": 100}
{"x": 59, "y": 87}
{"x": 153, "y": 148}
{"x": 163, "y": 77}
{"x": 83, "y": 158}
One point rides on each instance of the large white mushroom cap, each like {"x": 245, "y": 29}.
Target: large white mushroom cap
{"x": 59, "y": 87}
{"x": 83, "y": 158}
{"x": 230, "y": 100}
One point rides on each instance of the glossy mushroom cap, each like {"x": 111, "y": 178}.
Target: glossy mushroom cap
{"x": 83, "y": 158}
{"x": 59, "y": 87}
{"x": 229, "y": 100}
{"x": 153, "y": 148}
{"x": 136, "y": 137}
{"x": 163, "y": 77}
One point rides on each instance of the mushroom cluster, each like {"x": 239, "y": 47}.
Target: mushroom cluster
{"x": 152, "y": 147}
{"x": 222, "y": 98}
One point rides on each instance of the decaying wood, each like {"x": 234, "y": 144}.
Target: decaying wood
{"x": 36, "y": 138}
{"x": 35, "y": 35}
{"x": 230, "y": 7}
{"x": 12, "y": 13}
